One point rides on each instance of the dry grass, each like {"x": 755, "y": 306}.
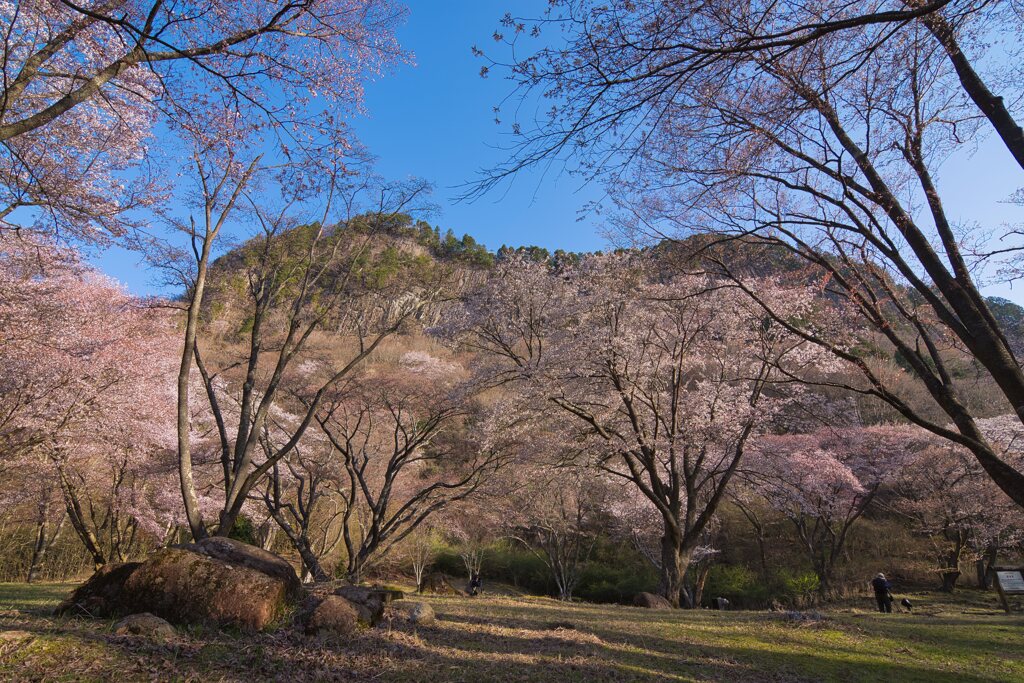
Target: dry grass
{"x": 536, "y": 639}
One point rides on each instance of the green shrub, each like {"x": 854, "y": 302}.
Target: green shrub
{"x": 245, "y": 531}
{"x": 604, "y": 582}
{"x": 800, "y": 587}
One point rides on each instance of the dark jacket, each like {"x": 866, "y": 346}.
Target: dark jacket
{"x": 881, "y": 586}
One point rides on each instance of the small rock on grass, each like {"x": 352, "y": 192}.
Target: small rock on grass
{"x": 412, "y": 611}
{"x": 146, "y": 625}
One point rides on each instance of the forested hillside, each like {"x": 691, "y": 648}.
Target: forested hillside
{"x": 588, "y": 425}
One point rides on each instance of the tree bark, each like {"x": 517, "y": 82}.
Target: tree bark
{"x": 310, "y": 562}
{"x": 949, "y": 579}
{"x": 674, "y": 562}
{"x": 43, "y": 542}
{"x": 983, "y": 565}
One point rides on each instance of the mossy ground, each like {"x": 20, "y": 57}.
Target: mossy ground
{"x": 964, "y": 638}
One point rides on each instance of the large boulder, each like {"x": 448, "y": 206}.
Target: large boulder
{"x": 242, "y": 554}
{"x": 217, "y": 581}
{"x": 369, "y": 602}
{"x": 651, "y": 601}
{"x": 101, "y": 595}
{"x": 332, "y": 616}
{"x": 412, "y": 612}
{"x": 146, "y": 625}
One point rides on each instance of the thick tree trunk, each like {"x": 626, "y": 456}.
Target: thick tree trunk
{"x": 674, "y": 562}
{"x": 228, "y": 518}
{"x": 951, "y": 572}
{"x": 949, "y": 579}
{"x": 823, "y": 569}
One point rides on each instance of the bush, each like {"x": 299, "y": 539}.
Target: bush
{"x": 800, "y": 587}
{"x": 603, "y": 582}
{"x": 518, "y": 566}
{"x": 245, "y": 531}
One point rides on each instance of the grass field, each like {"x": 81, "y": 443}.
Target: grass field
{"x": 536, "y": 639}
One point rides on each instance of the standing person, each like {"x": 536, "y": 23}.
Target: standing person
{"x": 882, "y": 595}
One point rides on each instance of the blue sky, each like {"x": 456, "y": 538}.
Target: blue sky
{"x": 435, "y": 121}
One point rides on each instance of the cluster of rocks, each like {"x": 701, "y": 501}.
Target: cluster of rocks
{"x": 223, "y": 582}
{"x": 348, "y": 607}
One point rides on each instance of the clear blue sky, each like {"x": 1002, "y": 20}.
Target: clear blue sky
{"x": 435, "y": 121}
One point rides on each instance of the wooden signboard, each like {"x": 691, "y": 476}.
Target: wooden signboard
{"x": 1008, "y": 582}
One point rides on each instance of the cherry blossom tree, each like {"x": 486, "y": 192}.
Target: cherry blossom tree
{"x": 814, "y": 130}
{"x": 557, "y": 516}
{"x": 955, "y": 507}
{"x": 824, "y": 482}
{"x": 305, "y": 270}
{"x": 401, "y": 437}
{"x": 301, "y": 497}
{"x": 664, "y": 378}
{"x": 84, "y": 84}
{"x": 87, "y": 372}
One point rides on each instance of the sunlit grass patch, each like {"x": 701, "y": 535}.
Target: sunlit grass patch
{"x": 513, "y": 638}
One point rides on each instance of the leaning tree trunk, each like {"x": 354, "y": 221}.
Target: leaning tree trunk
{"x": 43, "y": 543}
{"x": 703, "y": 570}
{"x": 311, "y": 566}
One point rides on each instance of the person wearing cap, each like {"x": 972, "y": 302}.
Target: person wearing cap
{"x": 882, "y": 595}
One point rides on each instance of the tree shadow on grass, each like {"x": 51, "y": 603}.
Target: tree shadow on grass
{"x": 779, "y": 651}
{"x": 516, "y": 641}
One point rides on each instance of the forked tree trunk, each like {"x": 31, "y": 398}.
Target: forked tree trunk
{"x": 311, "y": 566}
{"x": 674, "y": 562}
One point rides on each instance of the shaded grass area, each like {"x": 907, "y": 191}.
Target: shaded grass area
{"x": 512, "y": 638}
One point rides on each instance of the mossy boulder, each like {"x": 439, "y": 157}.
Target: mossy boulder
{"x": 101, "y": 595}
{"x": 217, "y": 581}
{"x": 369, "y": 602}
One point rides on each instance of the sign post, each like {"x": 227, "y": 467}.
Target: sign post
{"x": 1008, "y": 582}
